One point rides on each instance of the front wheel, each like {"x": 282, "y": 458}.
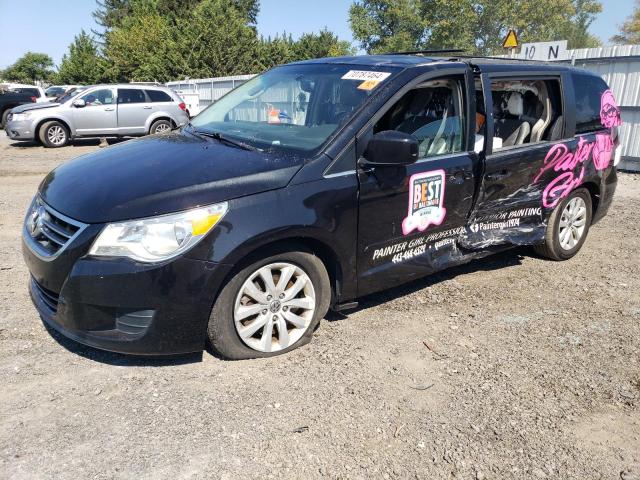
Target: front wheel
{"x": 568, "y": 227}
{"x": 270, "y": 307}
{"x": 54, "y": 135}
{"x": 5, "y": 118}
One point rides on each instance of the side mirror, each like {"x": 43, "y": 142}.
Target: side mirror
{"x": 391, "y": 148}
{"x": 79, "y": 103}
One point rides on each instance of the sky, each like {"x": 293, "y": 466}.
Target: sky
{"x": 49, "y": 26}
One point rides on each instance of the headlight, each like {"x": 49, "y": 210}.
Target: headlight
{"x": 158, "y": 238}
{"x": 18, "y": 117}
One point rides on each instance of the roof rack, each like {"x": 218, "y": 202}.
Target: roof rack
{"x": 428, "y": 52}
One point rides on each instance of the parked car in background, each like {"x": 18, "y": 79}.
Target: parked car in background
{"x": 33, "y": 90}
{"x": 99, "y": 111}
{"x": 57, "y": 91}
{"x": 10, "y": 99}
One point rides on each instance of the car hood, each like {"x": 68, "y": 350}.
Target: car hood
{"x": 33, "y": 106}
{"x": 161, "y": 174}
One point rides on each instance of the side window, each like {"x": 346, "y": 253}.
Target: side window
{"x": 130, "y": 95}
{"x": 525, "y": 112}
{"x": 588, "y": 91}
{"x": 159, "y": 96}
{"x": 433, "y": 112}
{"x": 98, "y": 97}
{"x": 29, "y": 91}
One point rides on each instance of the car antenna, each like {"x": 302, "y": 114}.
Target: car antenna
{"x": 427, "y": 52}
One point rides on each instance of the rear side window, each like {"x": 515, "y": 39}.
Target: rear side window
{"x": 29, "y": 91}
{"x": 130, "y": 95}
{"x": 159, "y": 96}
{"x": 588, "y": 91}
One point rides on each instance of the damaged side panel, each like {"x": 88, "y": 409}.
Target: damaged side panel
{"x": 468, "y": 217}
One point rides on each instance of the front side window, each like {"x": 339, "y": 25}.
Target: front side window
{"x": 433, "y": 113}
{"x": 98, "y": 97}
{"x": 130, "y": 95}
{"x": 294, "y": 107}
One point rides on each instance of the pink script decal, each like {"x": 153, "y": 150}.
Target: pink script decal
{"x": 561, "y": 159}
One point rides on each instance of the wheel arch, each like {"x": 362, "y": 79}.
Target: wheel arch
{"x": 319, "y": 248}
{"x": 36, "y": 130}
{"x": 159, "y": 116}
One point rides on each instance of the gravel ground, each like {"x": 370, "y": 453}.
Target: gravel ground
{"x": 510, "y": 367}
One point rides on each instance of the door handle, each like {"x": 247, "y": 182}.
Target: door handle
{"x": 502, "y": 174}
{"x": 147, "y": 107}
{"x": 109, "y": 109}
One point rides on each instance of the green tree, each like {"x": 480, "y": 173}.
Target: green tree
{"x": 147, "y": 40}
{"x": 83, "y": 64}
{"x": 476, "y": 26}
{"x": 30, "y": 67}
{"x": 387, "y": 25}
{"x": 322, "y": 44}
{"x": 630, "y": 29}
{"x": 577, "y": 32}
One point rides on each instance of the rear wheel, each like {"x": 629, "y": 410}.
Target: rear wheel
{"x": 160, "y": 126}
{"x": 54, "y": 134}
{"x": 568, "y": 227}
{"x": 270, "y": 307}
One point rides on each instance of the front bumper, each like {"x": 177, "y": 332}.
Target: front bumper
{"x": 124, "y": 306}
{"x": 20, "y": 130}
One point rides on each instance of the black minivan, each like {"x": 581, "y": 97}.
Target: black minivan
{"x": 311, "y": 185}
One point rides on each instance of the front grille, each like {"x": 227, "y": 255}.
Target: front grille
{"x": 49, "y": 230}
{"x": 49, "y": 298}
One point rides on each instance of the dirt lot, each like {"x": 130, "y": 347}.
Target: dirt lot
{"x": 532, "y": 370}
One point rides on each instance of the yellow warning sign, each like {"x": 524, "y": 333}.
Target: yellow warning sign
{"x": 511, "y": 40}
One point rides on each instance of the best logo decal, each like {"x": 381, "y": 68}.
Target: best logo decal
{"x": 426, "y": 201}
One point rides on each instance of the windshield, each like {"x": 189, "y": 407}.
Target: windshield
{"x": 295, "y": 107}
{"x": 70, "y": 94}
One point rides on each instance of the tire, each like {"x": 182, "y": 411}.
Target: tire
{"x": 160, "y": 126}
{"x": 54, "y": 134}
{"x": 5, "y": 117}
{"x": 553, "y": 247}
{"x": 235, "y": 310}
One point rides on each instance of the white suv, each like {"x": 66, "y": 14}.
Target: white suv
{"x": 99, "y": 111}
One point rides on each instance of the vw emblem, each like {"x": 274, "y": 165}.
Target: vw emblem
{"x": 36, "y": 220}
{"x": 274, "y": 306}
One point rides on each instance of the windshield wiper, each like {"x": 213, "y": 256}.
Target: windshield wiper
{"x": 221, "y": 138}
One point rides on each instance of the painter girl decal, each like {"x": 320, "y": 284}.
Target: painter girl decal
{"x": 560, "y": 159}
{"x": 426, "y": 201}
{"x": 609, "y": 110}
{"x": 610, "y": 118}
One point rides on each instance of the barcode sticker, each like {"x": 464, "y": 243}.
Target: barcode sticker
{"x": 364, "y": 75}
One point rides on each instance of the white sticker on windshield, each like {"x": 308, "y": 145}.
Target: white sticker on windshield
{"x": 365, "y": 75}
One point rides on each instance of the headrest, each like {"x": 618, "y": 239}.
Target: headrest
{"x": 515, "y": 105}
{"x": 420, "y": 100}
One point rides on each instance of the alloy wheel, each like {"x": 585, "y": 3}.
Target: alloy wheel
{"x": 162, "y": 128}
{"x": 274, "y": 307}
{"x": 572, "y": 223}
{"x": 56, "y": 135}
